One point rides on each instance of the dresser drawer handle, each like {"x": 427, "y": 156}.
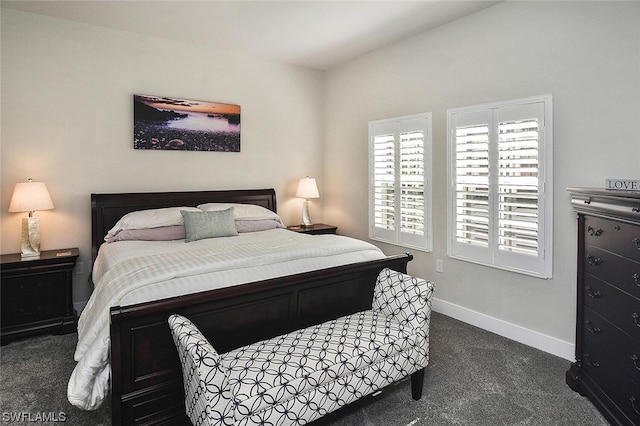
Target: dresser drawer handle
{"x": 589, "y": 326}
{"x": 636, "y": 278}
{"x": 637, "y": 243}
{"x": 593, "y": 294}
{"x": 634, "y": 404}
{"x": 596, "y": 232}
{"x": 595, "y": 261}
{"x": 634, "y": 358}
{"x": 594, "y": 364}
{"x": 636, "y": 318}
{"x": 636, "y": 209}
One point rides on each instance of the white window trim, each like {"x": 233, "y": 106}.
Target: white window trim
{"x": 395, "y": 237}
{"x": 543, "y": 267}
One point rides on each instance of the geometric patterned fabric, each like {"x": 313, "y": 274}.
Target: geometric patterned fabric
{"x": 298, "y": 377}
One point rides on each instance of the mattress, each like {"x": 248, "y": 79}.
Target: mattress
{"x": 130, "y": 272}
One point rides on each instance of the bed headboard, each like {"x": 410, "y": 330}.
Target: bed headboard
{"x": 107, "y": 209}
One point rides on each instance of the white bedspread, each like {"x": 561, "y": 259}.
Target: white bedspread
{"x": 132, "y": 272}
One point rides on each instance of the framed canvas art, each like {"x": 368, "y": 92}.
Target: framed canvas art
{"x": 181, "y": 124}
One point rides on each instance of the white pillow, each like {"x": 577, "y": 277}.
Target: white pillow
{"x": 242, "y": 211}
{"x": 153, "y": 218}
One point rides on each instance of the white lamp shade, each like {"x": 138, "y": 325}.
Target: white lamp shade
{"x": 29, "y": 197}
{"x": 307, "y": 188}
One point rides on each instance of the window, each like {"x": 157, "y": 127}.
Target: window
{"x": 500, "y": 192}
{"x": 400, "y": 181}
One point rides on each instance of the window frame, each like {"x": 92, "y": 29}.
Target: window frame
{"x": 541, "y": 264}
{"x": 397, "y": 126}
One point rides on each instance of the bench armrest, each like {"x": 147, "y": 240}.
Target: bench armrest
{"x": 206, "y": 387}
{"x": 404, "y": 298}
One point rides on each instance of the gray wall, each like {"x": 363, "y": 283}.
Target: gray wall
{"x": 586, "y": 54}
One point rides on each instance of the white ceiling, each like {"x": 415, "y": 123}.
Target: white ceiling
{"x": 314, "y": 34}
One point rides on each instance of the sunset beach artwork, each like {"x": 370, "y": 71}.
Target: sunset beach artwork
{"x": 180, "y": 124}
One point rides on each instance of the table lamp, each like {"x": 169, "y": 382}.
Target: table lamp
{"x": 307, "y": 188}
{"x": 29, "y": 197}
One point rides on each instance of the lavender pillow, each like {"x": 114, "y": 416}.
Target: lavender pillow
{"x": 152, "y": 218}
{"x": 161, "y": 233}
{"x": 257, "y": 225}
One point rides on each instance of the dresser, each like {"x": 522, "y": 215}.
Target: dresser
{"x": 36, "y": 294}
{"x": 607, "y": 366}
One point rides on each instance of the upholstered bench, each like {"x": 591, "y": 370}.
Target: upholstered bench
{"x": 300, "y": 376}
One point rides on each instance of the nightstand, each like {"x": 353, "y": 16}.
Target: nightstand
{"x": 315, "y": 229}
{"x": 36, "y": 294}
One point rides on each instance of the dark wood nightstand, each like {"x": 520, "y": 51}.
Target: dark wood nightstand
{"x": 315, "y": 229}
{"x": 37, "y": 294}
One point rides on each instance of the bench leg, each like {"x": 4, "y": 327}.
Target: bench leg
{"x": 417, "y": 379}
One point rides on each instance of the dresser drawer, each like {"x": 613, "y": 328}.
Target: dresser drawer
{"x": 617, "y": 237}
{"x": 618, "y": 271}
{"x": 603, "y": 337}
{"x": 612, "y": 304}
{"x": 623, "y": 392}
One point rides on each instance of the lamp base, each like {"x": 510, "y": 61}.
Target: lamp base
{"x": 306, "y": 216}
{"x": 30, "y": 241}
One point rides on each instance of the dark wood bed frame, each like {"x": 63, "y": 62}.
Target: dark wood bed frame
{"x": 146, "y": 380}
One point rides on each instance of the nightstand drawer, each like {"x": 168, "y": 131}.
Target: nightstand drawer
{"x": 33, "y": 297}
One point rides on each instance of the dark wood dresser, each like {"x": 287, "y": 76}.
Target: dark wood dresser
{"x": 36, "y": 294}
{"x": 607, "y": 366}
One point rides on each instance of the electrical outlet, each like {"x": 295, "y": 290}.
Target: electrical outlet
{"x": 439, "y": 265}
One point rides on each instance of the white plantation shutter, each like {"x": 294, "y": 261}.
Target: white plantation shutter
{"x": 472, "y": 184}
{"x": 500, "y": 194}
{"x": 384, "y": 181}
{"x": 400, "y": 171}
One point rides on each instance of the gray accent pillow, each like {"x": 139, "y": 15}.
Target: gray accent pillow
{"x": 200, "y": 225}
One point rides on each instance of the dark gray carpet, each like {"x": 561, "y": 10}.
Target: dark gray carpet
{"x": 474, "y": 378}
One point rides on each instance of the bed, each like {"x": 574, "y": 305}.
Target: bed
{"x": 142, "y": 364}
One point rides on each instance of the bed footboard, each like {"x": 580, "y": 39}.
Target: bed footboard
{"x": 146, "y": 377}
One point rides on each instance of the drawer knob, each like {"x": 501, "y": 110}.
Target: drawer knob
{"x": 595, "y": 261}
{"x": 636, "y": 318}
{"x": 634, "y": 358}
{"x": 596, "y": 232}
{"x": 634, "y": 404}
{"x": 587, "y": 360}
{"x": 636, "y": 209}
{"x": 30, "y": 312}
{"x": 593, "y": 294}
{"x": 590, "y": 327}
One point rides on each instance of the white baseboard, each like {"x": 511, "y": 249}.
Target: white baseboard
{"x": 502, "y": 328}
